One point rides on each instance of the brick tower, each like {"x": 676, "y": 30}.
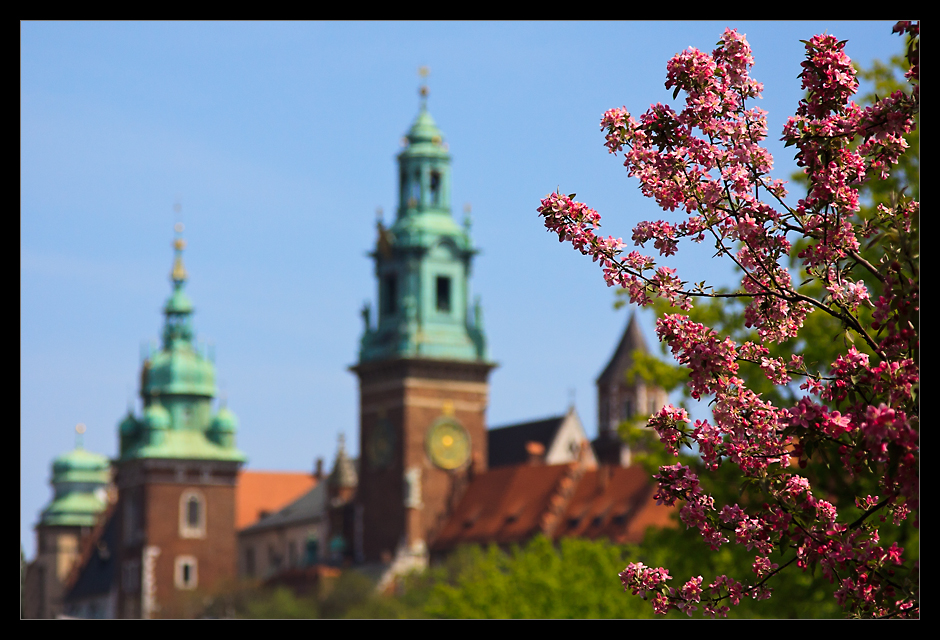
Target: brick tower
{"x": 423, "y": 371}
{"x": 176, "y": 476}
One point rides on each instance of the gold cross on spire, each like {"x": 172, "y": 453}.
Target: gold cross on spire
{"x": 424, "y": 72}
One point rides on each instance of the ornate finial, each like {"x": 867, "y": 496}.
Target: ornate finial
{"x": 424, "y": 72}
{"x": 178, "y": 275}
{"x": 467, "y": 220}
{"x": 79, "y": 430}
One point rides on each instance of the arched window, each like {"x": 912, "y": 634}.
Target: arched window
{"x": 192, "y": 514}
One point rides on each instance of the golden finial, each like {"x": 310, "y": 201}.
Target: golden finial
{"x": 179, "y": 271}
{"x": 424, "y": 72}
{"x": 79, "y": 430}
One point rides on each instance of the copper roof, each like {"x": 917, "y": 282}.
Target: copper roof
{"x": 267, "y": 491}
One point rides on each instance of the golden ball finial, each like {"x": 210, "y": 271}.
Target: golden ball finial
{"x": 80, "y": 428}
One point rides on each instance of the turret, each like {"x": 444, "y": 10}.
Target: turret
{"x": 423, "y": 262}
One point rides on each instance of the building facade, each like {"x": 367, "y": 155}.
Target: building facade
{"x": 423, "y": 369}
{"x": 430, "y": 475}
{"x": 175, "y": 475}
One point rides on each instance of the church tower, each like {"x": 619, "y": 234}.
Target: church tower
{"x": 175, "y": 474}
{"x": 423, "y": 369}
{"x": 80, "y": 481}
{"x": 620, "y": 398}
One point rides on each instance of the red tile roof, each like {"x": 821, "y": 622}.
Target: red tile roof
{"x": 512, "y": 504}
{"x": 267, "y": 491}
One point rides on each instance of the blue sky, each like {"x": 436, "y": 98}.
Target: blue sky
{"x": 279, "y": 139}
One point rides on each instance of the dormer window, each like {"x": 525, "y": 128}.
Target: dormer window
{"x": 443, "y": 294}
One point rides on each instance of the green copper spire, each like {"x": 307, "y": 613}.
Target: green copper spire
{"x": 423, "y": 262}
{"x": 177, "y": 388}
{"x": 79, "y": 479}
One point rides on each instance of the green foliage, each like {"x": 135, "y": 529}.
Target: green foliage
{"x": 281, "y": 603}
{"x": 577, "y": 579}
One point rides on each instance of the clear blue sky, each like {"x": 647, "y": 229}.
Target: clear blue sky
{"x": 279, "y": 140}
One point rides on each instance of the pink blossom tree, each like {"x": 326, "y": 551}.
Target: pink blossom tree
{"x": 819, "y": 255}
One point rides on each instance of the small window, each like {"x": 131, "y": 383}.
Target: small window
{"x": 443, "y": 294}
{"x": 130, "y": 581}
{"x": 131, "y": 520}
{"x": 435, "y": 187}
{"x": 250, "y": 562}
{"x": 312, "y": 555}
{"x": 415, "y": 195}
{"x": 627, "y": 409}
{"x": 390, "y": 294}
{"x": 186, "y": 574}
{"x": 192, "y": 514}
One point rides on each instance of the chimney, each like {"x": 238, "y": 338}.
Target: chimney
{"x": 318, "y": 474}
{"x": 604, "y": 472}
{"x": 536, "y": 451}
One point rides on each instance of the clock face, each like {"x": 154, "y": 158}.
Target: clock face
{"x": 382, "y": 443}
{"x": 448, "y": 444}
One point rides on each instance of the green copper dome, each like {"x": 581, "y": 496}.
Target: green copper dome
{"x": 424, "y": 137}
{"x": 177, "y": 387}
{"x": 422, "y": 263}
{"x": 79, "y": 465}
{"x": 156, "y": 418}
{"x": 79, "y": 480}
{"x": 179, "y": 370}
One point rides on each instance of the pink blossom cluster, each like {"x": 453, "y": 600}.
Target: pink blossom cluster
{"x": 706, "y": 162}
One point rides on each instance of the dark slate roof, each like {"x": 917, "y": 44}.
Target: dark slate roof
{"x": 96, "y": 570}
{"x": 631, "y": 340}
{"x": 308, "y": 507}
{"x": 507, "y": 444}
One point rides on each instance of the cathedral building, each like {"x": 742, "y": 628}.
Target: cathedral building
{"x": 184, "y": 516}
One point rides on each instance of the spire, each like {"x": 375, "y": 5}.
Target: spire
{"x": 423, "y": 260}
{"x": 177, "y": 389}
{"x": 177, "y": 329}
{"x": 344, "y": 474}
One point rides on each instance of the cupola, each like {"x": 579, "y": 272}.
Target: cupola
{"x": 79, "y": 479}
{"x": 423, "y": 262}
